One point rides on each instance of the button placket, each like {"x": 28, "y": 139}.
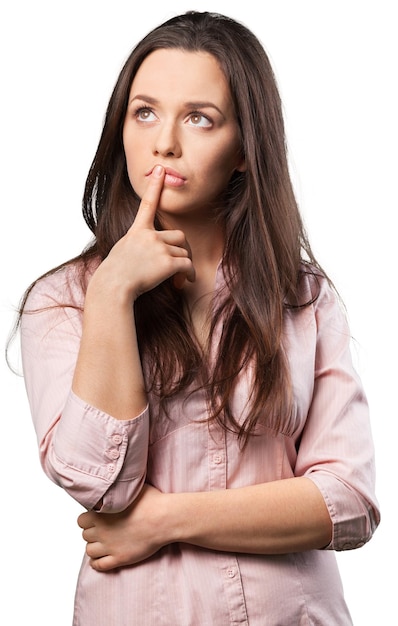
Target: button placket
{"x": 217, "y": 465}
{"x": 234, "y": 592}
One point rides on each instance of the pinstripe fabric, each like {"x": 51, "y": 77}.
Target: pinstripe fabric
{"x": 93, "y": 456}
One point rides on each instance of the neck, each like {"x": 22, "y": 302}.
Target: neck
{"x": 206, "y": 241}
{"x": 205, "y": 237}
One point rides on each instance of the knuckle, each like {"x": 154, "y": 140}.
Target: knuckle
{"x": 146, "y": 204}
{"x": 180, "y": 236}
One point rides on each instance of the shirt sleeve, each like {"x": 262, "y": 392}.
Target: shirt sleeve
{"x": 336, "y": 448}
{"x": 99, "y": 460}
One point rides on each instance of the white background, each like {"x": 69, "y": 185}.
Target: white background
{"x": 336, "y": 64}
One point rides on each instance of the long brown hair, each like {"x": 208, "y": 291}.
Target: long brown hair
{"x": 266, "y": 252}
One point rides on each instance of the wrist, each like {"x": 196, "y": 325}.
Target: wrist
{"x": 108, "y": 285}
{"x": 175, "y": 519}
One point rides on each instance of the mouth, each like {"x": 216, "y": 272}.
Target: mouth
{"x": 172, "y": 177}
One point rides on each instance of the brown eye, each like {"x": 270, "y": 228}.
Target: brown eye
{"x": 200, "y": 120}
{"x": 145, "y": 115}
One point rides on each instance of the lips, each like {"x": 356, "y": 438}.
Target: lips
{"x": 172, "y": 177}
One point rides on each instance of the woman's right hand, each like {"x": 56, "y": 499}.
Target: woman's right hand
{"x": 145, "y": 257}
{"x": 108, "y": 373}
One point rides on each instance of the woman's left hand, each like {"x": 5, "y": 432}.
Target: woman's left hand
{"x": 117, "y": 539}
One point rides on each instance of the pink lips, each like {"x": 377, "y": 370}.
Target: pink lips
{"x": 172, "y": 178}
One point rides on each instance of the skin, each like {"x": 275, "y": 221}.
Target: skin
{"x": 187, "y": 155}
{"x": 180, "y": 107}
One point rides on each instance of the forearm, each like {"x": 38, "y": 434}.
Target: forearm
{"x": 272, "y": 518}
{"x": 108, "y": 371}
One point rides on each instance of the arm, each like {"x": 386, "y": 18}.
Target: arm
{"x": 108, "y": 371}
{"x": 336, "y": 448}
{"x": 329, "y": 503}
{"x": 273, "y": 518}
{"x": 93, "y": 439}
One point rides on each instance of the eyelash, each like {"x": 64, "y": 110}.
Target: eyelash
{"x": 148, "y": 109}
{"x": 140, "y": 109}
{"x": 200, "y": 114}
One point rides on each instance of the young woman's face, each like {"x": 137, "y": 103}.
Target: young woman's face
{"x": 180, "y": 115}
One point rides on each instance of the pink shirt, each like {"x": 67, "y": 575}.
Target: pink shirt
{"x": 92, "y": 456}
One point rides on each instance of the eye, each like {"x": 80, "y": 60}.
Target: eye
{"x": 145, "y": 114}
{"x": 198, "y": 119}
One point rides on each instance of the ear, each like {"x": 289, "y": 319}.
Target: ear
{"x": 241, "y": 166}
{"x": 241, "y": 163}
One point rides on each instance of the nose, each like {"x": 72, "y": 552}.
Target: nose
{"x": 166, "y": 141}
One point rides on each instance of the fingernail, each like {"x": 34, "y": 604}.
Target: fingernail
{"x": 157, "y": 171}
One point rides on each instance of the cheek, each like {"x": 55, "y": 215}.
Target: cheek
{"x": 130, "y": 149}
{"x": 226, "y": 155}
{"x": 132, "y": 173}
{"x": 137, "y": 182}
{"x": 129, "y": 165}
{"x": 131, "y": 162}
{"x": 223, "y": 165}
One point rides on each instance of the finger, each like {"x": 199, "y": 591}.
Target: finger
{"x": 174, "y": 238}
{"x": 85, "y": 520}
{"x": 149, "y": 203}
{"x": 175, "y": 245}
{"x": 180, "y": 277}
{"x": 90, "y": 535}
{"x": 179, "y": 280}
{"x": 96, "y": 550}
{"x": 104, "y": 564}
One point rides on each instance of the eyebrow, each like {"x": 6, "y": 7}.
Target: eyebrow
{"x": 196, "y": 104}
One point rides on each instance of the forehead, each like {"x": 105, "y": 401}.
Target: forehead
{"x": 188, "y": 75}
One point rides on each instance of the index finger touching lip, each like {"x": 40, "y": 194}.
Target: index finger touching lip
{"x": 150, "y": 199}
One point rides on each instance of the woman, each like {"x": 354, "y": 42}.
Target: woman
{"x": 189, "y": 374}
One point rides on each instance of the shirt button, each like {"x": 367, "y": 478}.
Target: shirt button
{"x": 117, "y": 439}
{"x": 231, "y": 572}
{"x": 112, "y": 453}
{"x": 111, "y": 467}
{"x": 217, "y": 459}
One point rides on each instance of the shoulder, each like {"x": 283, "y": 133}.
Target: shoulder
{"x": 325, "y": 306}
{"x": 316, "y": 288}
{"x": 318, "y": 302}
{"x": 63, "y": 286}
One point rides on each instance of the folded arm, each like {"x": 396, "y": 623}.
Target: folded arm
{"x": 272, "y": 518}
